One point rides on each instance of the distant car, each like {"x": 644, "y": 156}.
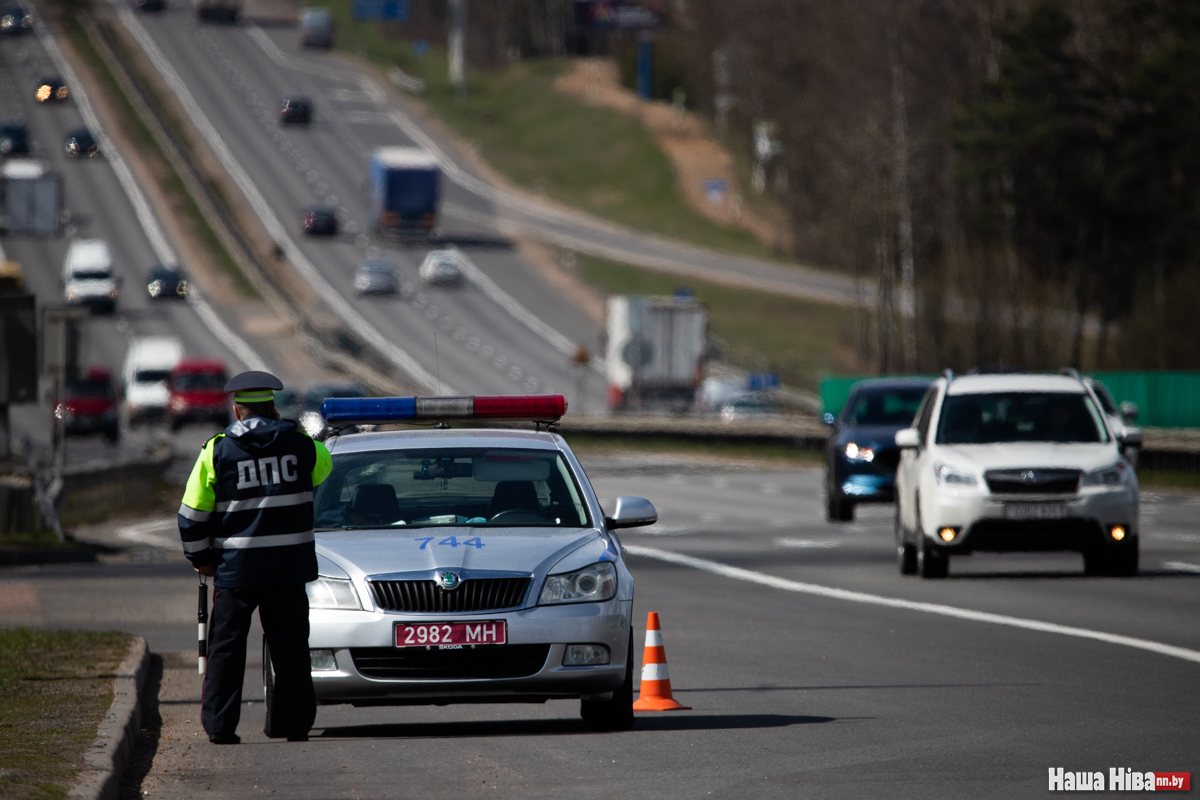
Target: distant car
{"x": 197, "y": 392}
{"x": 316, "y": 28}
{"x": 150, "y": 5}
{"x": 318, "y": 392}
{"x": 81, "y": 144}
{"x": 14, "y": 138}
{"x": 376, "y": 276}
{"x": 861, "y": 453}
{"x": 166, "y": 282}
{"x": 148, "y": 366}
{"x": 320, "y": 221}
{"x": 287, "y": 403}
{"x": 748, "y": 405}
{"x": 87, "y": 276}
{"x": 51, "y": 89}
{"x": 15, "y": 19}
{"x": 90, "y": 406}
{"x": 295, "y": 110}
{"x": 441, "y": 268}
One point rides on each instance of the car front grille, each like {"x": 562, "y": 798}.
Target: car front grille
{"x": 887, "y": 458}
{"x": 1033, "y": 481}
{"x": 413, "y": 663}
{"x": 479, "y": 594}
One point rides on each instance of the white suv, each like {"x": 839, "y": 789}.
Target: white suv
{"x": 1015, "y": 462}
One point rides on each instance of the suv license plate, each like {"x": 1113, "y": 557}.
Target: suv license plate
{"x": 427, "y": 634}
{"x": 1035, "y": 510}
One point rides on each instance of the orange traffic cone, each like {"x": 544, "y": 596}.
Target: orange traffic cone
{"x": 656, "y": 682}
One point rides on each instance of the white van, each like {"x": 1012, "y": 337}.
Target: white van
{"x": 87, "y": 275}
{"x": 148, "y": 365}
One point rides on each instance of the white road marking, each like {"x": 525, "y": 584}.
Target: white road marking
{"x": 154, "y": 233}
{"x": 275, "y": 229}
{"x": 1182, "y": 566}
{"x": 802, "y": 543}
{"x": 910, "y": 605}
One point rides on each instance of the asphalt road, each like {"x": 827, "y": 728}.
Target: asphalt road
{"x": 237, "y": 76}
{"x": 793, "y": 694}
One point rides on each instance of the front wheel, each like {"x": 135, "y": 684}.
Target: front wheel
{"x": 615, "y": 714}
{"x": 838, "y": 509}
{"x": 271, "y": 725}
{"x": 930, "y": 562}
{"x": 906, "y": 554}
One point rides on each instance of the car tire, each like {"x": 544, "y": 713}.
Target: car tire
{"x": 615, "y": 714}
{"x": 930, "y": 562}
{"x": 176, "y": 424}
{"x": 1095, "y": 562}
{"x": 271, "y": 727}
{"x": 838, "y": 509}
{"x": 906, "y": 554}
{"x": 1123, "y": 559}
{"x": 113, "y": 435}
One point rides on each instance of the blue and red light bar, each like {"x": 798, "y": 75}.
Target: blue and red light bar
{"x": 382, "y": 410}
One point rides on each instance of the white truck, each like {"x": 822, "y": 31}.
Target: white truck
{"x": 87, "y": 275}
{"x": 148, "y": 365}
{"x": 30, "y": 198}
{"x": 655, "y": 352}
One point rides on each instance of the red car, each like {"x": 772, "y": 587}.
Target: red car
{"x": 197, "y": 392}
{"x": 90, "y": 406}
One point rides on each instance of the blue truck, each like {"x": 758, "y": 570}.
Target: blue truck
{"x": 405, "y": 190}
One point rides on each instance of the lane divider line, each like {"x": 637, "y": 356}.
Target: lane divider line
{"x": 737, "y": 573}
{"x": 1182, "y": 566}
{"x": 236, "y": 345}
{"x": 275, "y": 229}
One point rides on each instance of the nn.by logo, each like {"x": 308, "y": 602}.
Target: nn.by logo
{"x": 1119, "y": 780}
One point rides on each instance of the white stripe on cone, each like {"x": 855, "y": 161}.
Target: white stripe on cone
{"x": 655, "y": 672}
{"x": 654, "y": 639}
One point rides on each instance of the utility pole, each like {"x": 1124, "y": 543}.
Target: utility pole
{"x": 908, "y": 292}
{"x": 458, "y": 46}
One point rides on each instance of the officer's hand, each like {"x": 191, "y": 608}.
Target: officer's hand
{"x": 208, "y": 570}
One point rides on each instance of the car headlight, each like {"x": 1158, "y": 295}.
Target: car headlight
{"x": 112, "y": 294}
{"x": 43, "y": 93}
{"x": 589, "y": 585}
{"x": 154, "y": 288}
{"x": 181, "y": 289}
{"x": 61, "y": 94}
{"x": 859, "y": 455}
{"x": 950, "y": 476}
{"x": 1107, "y": 476}
{"x": 332, "y": 593}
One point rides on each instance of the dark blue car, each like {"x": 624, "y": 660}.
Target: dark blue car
{"x": 861, "y": 453}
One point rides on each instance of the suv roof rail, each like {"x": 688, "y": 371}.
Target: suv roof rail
{"x": 948, "y": 374}
{"x": 1070, "y": 372}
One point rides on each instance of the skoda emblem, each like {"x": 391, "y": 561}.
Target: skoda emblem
{"x": 447, "y": 580}
{"x": 1029, "y": 476}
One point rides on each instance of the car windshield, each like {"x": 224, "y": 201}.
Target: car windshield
{"x": 91, "y": 275}
{"x": 1059, "y": 417}
{"x": 87, "y": 388}
{"x": 199, "y": 381}
{"x": 164, "y": 274}
{"x": 493, "y": 487}
{"x": 151, "y": 375}
{"x": 884, "y": 406}
{"x": 377, "y": 267}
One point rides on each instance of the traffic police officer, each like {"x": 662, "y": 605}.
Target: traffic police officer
{"x": 247, "y": 520}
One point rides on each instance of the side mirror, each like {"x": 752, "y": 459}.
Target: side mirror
{"x": 909, "y": 438}
{"x": 632, "y": 512}
{"x": 1130, "y": 411}
{"x": 828, "y": 418}
{"x": 1131, "y": 438}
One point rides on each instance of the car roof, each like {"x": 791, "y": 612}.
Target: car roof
{"x": 893, "y": 383}
{"x": 200, "y": 365}
{"x": 451, "y": 438}
{"x": 1014, "y": 382}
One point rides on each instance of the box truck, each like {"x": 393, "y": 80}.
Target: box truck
{"x": 655, "y": 352}
{"x": 405, "y": 191}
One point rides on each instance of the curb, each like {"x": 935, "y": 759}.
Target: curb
{"x": 112, "y": 749}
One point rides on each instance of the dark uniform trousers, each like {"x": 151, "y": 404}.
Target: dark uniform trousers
{"x": 283, "y": 612}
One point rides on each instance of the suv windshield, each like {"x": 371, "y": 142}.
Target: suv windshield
{"x": 884, "y": 406}
{"x": 198, "y": 381}
{"x": 86, "y": 388}
{"x": 442, "y": 487}
{"x": 151, "y": 375}
{"x": 1059, "y": 417}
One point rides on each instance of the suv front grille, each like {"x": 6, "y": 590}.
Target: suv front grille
{"x": 1033, "y": 481}
{"x": 479, "y": 594}
{"x": 411, "y": 663}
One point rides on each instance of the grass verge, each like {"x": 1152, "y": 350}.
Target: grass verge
{"x": 1168, "y": 479}
{"x": 593, "y": 158}
{"x": 55, "y": 687}
{"x": 585, "y": 445}
{"x": 760, "y": 331}
{"x": 136, "y": 132}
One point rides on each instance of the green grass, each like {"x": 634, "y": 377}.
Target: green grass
{"x": 55, "y": 687}
{"x": 590, "y": 444}
{"x": 760, "y": 331}
{"x": 596, "y": 159}
{"x": 1168, "y": 479}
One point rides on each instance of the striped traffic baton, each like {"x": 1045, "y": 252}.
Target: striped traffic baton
{"x": 202, "y": 616}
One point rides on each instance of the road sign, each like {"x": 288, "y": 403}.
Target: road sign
{"x": 381, "y": 10}
{"x": 762, "y": 381}
{"x": 620, "y": 14}
{"x": 637, "y": 352}
{"x": 715, "y": 190}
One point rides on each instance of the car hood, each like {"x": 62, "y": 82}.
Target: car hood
{"x": 397, "y": 552}
{"x": 92, "y": 287}
{"x": 202, "y": 397}
{"x": 88, "y": 405}
{"x": 146, "y": 394}
{"x": 1086, "y": 457}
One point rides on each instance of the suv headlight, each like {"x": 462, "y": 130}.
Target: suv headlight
{"x": 1107, "y": 476}
{"x": 859, "y": 455}
{"x": 332, "y": 593}
{"x": 949, "y": 476}
{"x": 589, "y": 585}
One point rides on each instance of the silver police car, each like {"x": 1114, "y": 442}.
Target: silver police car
{"x": 467, "y": 565}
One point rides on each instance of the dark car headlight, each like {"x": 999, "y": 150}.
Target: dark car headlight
{"x": 592, "y": 584}
{"x": 858, "y": 455}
